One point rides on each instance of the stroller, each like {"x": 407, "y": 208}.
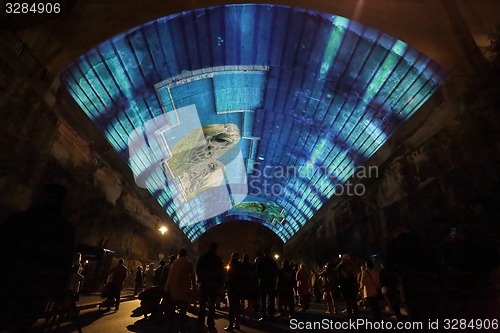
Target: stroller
{"x": 150, "y": 300}
{"x": 108, "y": 296}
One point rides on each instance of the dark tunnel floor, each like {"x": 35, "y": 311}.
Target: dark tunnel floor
{"x": 129, "y": 318}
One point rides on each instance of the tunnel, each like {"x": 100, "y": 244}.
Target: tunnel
{"x": 311, "y": 130}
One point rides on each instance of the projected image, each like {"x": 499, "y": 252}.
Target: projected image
{"x": 194, "y": 158}
{"x": 199, "y": 101}
{"x": 267, "y": 211}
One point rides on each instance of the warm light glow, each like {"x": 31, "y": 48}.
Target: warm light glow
{"x": 276, "y": 256}
{"x": 163, "y": 230}
{"x": 227, "y": 267}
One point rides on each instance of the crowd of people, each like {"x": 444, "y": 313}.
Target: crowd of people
{"x": 177, "y": 282}
{"x": 262, "y": 287}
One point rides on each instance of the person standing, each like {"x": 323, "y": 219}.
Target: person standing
{"x": 267, "y": 273}
{"x": 316, "y": 285}
{"x": 149, "y": 276}
{"x": 330, "y": 286}
{"x": 37, "y": 248}
{"x": 370, "y": 282}
{"x": 166, "y": 304}
{"x": 76, "y": 281}
{"x": 346, "y": 274}
{"x": 286, "y": 282}
{"x": 116, "y": 277}
{"x": 234, "y": 285}
{"x": 210, "y": 274}
{"x": 139, "y": 281}
{"x": 246, "y": 267}
{"x": 303, "y": 287}
{"x": 390, "y": 289}
{"x": 166, "y": 269}
{"x": 181, "y": 284}
{"x": 158, "y": 273}
{"x": 416, "y": 265}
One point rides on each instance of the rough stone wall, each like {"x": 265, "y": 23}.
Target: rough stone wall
{"x": 28, "y": 131}
{"x": 441, "y": 171}
{"x": 37, "y": 146}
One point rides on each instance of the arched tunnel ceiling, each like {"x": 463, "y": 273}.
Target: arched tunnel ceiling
{"x": 249, "y": 112}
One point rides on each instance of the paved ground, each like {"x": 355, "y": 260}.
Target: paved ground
{"x": 92, "y": 301}
{"x": 129, "y": 318}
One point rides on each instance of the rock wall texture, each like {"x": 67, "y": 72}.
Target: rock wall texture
{"x": 38, "y": 146}
{"x": 439, "y": 171}
{"x": 438, "y": 179}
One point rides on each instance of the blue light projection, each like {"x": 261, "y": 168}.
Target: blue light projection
{"x": 311, "y": 95}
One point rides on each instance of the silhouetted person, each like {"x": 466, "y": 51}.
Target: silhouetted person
{"x": 346, "y": 274}
{"x": 115, "y": 279}
{"x": 76, "y": 281}
{"x": 166, "y": 305}
{"x": 390, "y": 289}
{"x": 234, "y": 285}
{"x": 303, "y": 287}
{"x": 286, "y": 282}
{"x": 139, "y": 281}
{"x": 296, "y": 296}
{"x": 166, "y": 270}
{"x": 181, "y": 284}
{"x": 330, "y": 286}
{"x": 476, "y": 270}
{"x": 416, "y": 266}
{"x": 254, "y": 293}
{"x": 247, "y": 292}
{"x": 149, "y": 276}
{"x": 37, "y": 248}
{"x": 267, "y": 272}
{"x": 370, "y": 282}
{"x": 316, "y": 285}
{"x": 210, "y": 274}
{"x": 158, "y": 273}
{"x": 363, "y": 301}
